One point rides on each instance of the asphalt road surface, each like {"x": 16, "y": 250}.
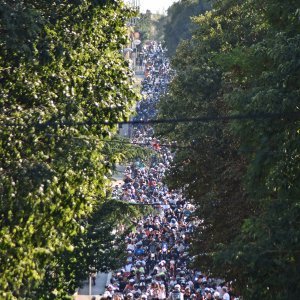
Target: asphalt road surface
{"x": 97, "y": 290}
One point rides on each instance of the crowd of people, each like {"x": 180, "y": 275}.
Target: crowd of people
{"x": 158, "y": 260}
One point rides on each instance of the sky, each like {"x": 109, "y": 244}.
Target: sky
{"x": 156, "y": 5}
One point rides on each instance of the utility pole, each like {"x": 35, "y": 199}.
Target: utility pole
{"x": 90, "y": 285}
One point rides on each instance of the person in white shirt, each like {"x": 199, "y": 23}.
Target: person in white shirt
{"x": 181, "y": 247}
{"x": 162, "y": 292}
{"x": 173, "y": 282}
{"x": 130, "y": 246}
{"x": 176, "y": 294}
{"x": 128, "y": 267}
{"x": 225, "y": 295}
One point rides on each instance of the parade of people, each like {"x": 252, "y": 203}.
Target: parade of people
{"x": 158, "y": 261}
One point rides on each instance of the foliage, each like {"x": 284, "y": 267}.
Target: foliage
{"x": 150, "y": 26}
{"x": 160, "y": 22}
{"x": 59, "y": 63}
{"x": 145, "y": 25}
{"x": 243, "y": 176}
{"x": 99, "y": 247}
{"x": 178, "y": 25}
{"x": 126, "y": 150}
{"x": 210, "y": 168}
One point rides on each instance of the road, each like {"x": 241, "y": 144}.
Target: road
{"x": 97, "y": 290}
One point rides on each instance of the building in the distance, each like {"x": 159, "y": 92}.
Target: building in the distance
{"x": 130, "y": 52}
{"x": 135, "y": 5}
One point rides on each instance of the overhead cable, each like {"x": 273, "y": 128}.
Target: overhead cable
{"x": 203, "y": 119}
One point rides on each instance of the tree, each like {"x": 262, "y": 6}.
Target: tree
{"x": 150, "y": 26}
{"x": 99, "y": 247}
{"x": 178, "y": 25}
{"x": 145, "y": 25}
{"x": 242, "y": 176}
{"x": 210, "y": 168}
{"x": 266, "y": 252}
{"x": 62, "y": 76}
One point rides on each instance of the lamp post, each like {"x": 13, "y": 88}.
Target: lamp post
{"x": 90, "y": 285}
{"x": 92, "y": 280}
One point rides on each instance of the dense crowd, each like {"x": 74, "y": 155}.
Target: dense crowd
{"x": 157, "y": 265}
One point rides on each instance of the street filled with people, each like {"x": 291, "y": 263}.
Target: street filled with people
{"x": 158, "y": 264}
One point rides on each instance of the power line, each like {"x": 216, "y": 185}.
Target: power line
{"x": 170, "y": 145}
{"x": 203, "y": 119}
{"x": 137, "y": 203}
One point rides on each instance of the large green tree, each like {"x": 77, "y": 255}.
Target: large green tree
{"x": 62, "y": 76}
{"x": 99, "y": 247}
{"x": 144, "y": 25}
{"x": 210, "y": 168}
{"x": 243, "y": 58}
{"x": 265, "y": 256}
{"x": 178, "y": 25}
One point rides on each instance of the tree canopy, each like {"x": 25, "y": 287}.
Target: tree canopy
{"x": 61, "y": 76}
{"x": 177, "y": 24}
{"x": 243, "y": 176}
